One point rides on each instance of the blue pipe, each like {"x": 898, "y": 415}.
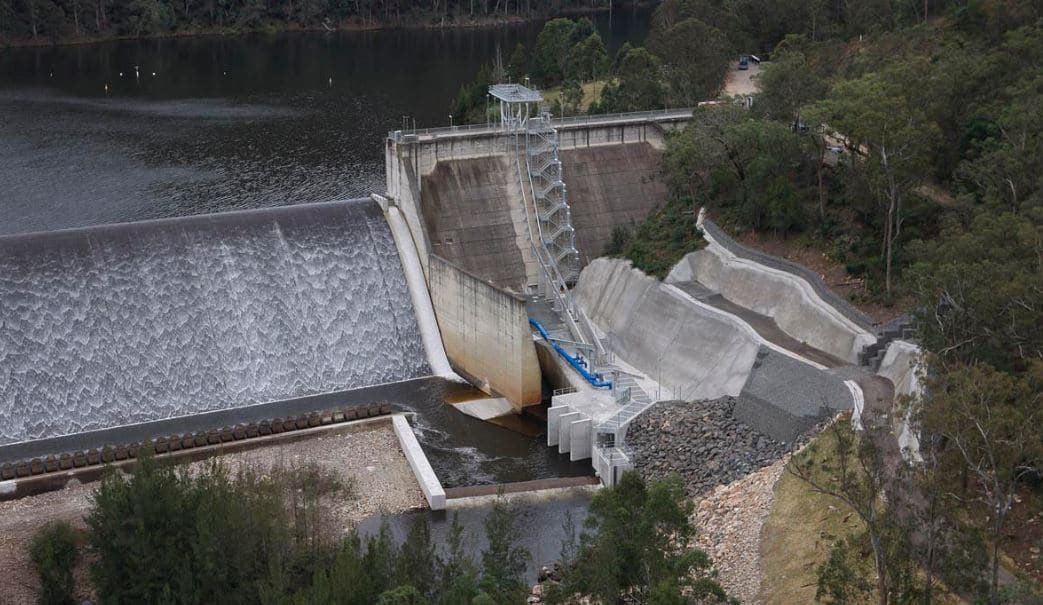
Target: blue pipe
{"x": 576, "y": 362}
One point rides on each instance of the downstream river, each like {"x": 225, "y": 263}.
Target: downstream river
{"x": 134, "y": 130}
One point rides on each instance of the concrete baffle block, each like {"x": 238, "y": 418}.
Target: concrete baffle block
{"x": 564, "y": 431}
{"x": 581, "y": 437}
{"x": 554, "y": 421}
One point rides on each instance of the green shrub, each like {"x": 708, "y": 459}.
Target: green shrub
{"x": 207, "y": 536}
{"x": 54, "y": 554}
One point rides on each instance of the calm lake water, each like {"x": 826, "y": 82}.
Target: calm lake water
{"x": 226, "y": 123}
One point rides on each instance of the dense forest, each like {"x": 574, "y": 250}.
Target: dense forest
{"x": 57, "y": 21}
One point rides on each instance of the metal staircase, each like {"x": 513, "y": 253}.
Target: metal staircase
{"x": 560, "y": 261}
{"x": 553, "y": 309}
{"x": 550, "y": 196}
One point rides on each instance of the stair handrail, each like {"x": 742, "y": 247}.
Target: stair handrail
{"x": 560, "y": 287}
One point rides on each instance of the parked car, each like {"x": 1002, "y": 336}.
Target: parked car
{"x": 744, "y": 61}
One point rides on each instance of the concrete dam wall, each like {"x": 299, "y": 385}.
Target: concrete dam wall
{"x": 610, "y": 169}
{"x": 486, "y": 332}
{"x": 125, "y": 324}
{"x": 610, "y": 186}
{"x": 473, "y": 216}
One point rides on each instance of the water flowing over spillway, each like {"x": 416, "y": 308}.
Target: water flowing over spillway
{"x": 122, "y": 324}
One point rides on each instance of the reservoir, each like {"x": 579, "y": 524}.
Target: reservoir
{"x": 88, "y": 135}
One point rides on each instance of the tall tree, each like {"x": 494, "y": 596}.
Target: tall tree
{"x": 551, "y": 53}
{"x": 855, "y": 474}
{"x": 639, "y": 86}
{"x": 637, "y": 544}
{"x": 886, "y": 129}
{"x": 695, "y": 57}
{"x": 979, "y": 291}
{"x": 990, "y": 421}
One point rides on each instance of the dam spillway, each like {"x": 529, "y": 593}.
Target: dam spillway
{"x": 124, "y": 324}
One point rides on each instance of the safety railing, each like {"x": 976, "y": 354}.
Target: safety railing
{"x": 463, "y": 129}
{"x": 581, "y": 365}
{"x": 678, "y": 113}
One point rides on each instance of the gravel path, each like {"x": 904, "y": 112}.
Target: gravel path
{"x": 729, "y": 520}
{"x": 371, "y": 458}
{"x": 701, "y": 442}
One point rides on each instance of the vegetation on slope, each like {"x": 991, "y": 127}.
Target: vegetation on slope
{"x": 908, "y": 147}
{"x": 57, "y": 21}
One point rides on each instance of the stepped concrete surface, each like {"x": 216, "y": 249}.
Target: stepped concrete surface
{"x": 764, "y": 325}
{"x": 685, "y": 348}
{"x": 698, "y": 352}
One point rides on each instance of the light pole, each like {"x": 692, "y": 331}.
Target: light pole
{"x": 450, "y": 120}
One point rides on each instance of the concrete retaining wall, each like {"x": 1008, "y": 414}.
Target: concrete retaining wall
{"x": 419, "y": 294}
{"x": 689, "y": 350}
{"x": 790, "y": 300}
{"x": 51, "y": 472}
{"x": 425, "y": 475}
{"x": 901, "y": 365}
{"x": 486, "y": 332}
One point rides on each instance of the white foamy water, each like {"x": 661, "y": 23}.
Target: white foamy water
{"x": 131, "y": 323}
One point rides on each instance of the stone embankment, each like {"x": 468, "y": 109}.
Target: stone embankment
{"x": 729, "y": 522}
{"x": 701, "y": 442}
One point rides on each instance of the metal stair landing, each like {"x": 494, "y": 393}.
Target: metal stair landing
{"x": 550, "y": 195}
